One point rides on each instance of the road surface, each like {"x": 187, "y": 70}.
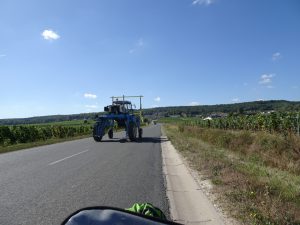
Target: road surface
{"x": 43, "y": 185}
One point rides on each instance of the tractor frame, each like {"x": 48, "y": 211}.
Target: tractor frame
{"x": 122, "y": 113}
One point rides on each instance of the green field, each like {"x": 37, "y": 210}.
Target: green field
{"x": 275, "y": 122}
{"x": 65, "y": 123}
{"x": 25, "y": 136}
{"x": 16, "y": 137}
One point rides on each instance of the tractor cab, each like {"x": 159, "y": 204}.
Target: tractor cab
{"x": 119, "y": 107}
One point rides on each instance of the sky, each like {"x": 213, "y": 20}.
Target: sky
{"x": 70, "y": 56}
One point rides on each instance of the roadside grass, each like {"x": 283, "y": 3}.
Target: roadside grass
{"x": 256, "y": 175}
{"x": 21, "y": 146}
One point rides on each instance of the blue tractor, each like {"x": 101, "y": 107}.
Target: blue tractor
{"x": 122, "y": 113}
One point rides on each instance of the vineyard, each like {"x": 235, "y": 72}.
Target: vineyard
{"x": 273, "y": 123}
{"x": 10, "y": 135}
{"x": 252, "y": 160}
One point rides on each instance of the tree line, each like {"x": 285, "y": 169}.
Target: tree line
{"x": 237, "y": 108}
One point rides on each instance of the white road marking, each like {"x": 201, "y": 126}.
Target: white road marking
{"x": 50, "y": 164}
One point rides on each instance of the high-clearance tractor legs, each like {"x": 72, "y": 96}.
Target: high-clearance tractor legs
{"x": 121, "y": 112}
{"x": 132, "y": 129}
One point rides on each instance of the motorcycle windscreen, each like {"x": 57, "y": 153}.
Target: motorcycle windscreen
{"x": 109, "y": 217}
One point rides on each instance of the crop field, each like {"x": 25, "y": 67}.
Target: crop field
{"x": 23, "y": 136}
{"x": 64, "y": 123}
{"x": 19, "y": 136}
{"x": 252, "y": 161}
{"x": 273, "y": 123}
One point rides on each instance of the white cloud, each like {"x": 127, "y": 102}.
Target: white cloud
{"x": 157, "y": 99}
{"x": 203, "y": 2}
{"x": 140, "y": 42}
{"x": 194, "y": 103}
{"x": 89, "y": 95}
{"x": 154, "y": 106}
{"x": 91, "y": 106}
{"x": 269, "y": 86}
{"x": 138, "y": 45}
{"x": 276, "y": 56}
{"x": 266, "y": 78}
{"x": 235, "y": 100}
{"x": 2, "y": 55}
{"x": 295, "y": 87}
{"x": 50, "y": 35}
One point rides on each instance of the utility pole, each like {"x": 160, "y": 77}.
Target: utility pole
{"x": 141, "y": 103}
{"x": 298, "y": 124}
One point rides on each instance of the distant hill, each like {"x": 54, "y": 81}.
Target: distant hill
{"x": 244, "y": 107}
{"x": 204, "y": 110}
{"x": 48, "y": 119}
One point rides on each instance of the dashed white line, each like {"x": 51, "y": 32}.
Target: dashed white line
{"x": 50, "y": 164}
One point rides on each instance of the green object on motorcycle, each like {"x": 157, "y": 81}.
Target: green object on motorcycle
{"x": 148, "y": 210}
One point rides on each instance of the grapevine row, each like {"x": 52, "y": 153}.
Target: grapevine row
{"x": 24, "y": 134}
{"x": 273, "y": 122}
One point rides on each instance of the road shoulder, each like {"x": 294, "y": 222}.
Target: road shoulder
{"x": 188, "y": 202}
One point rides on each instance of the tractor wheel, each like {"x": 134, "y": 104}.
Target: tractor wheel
{"x": 132, "y": 131}
{"x": 97, "y": 138}
{"x": 110, "y": 133}
{"x": 140, "y": 133}
{"x": 95, "y": 129}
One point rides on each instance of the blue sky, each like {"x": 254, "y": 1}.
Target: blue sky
{"x": 70, "y": 56}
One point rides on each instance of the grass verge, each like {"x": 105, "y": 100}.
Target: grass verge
{"x": 247, "y": 171}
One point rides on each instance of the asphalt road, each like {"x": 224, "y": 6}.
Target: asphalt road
{"x": 43, "y": 185}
